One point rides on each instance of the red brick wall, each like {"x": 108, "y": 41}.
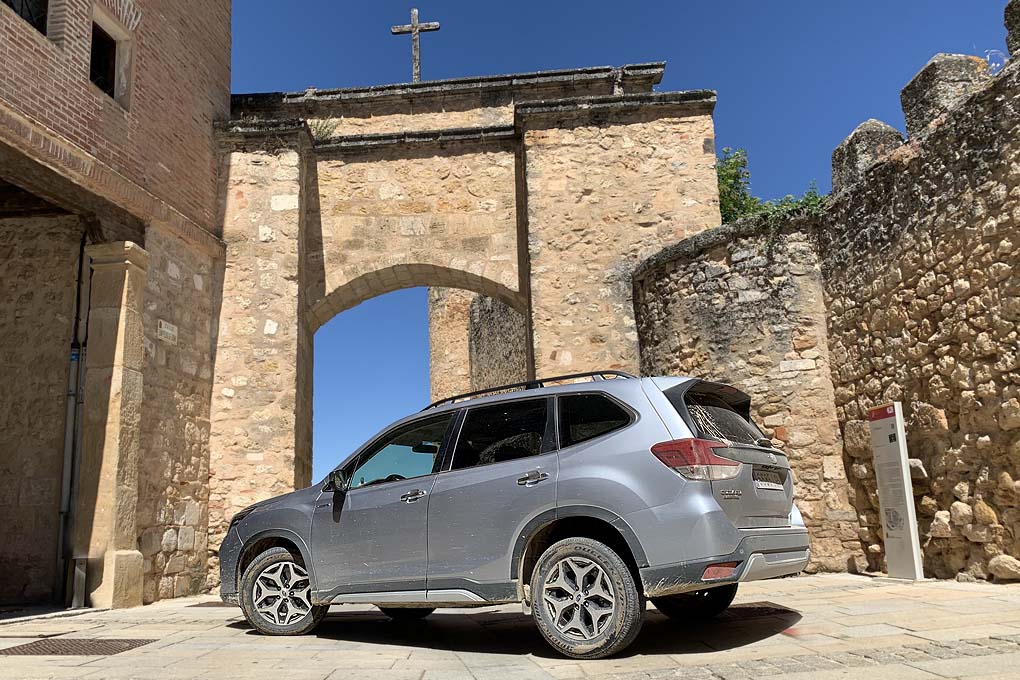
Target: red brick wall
{"x": 179, "y": 86}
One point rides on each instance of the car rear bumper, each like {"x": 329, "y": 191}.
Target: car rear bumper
{"x": 759, "y": 556}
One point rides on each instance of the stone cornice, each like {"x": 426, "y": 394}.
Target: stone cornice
{"x": 516, "y": 87}
{"x": 264, "y": 135}
{"x": 449, "y": 136}
{"x": 554, "y": 112}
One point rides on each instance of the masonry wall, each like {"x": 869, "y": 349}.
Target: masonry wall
{"x": 475, "y": 342}
{"x": 163, "y": 139}
{"x": 400, "y": 217}
{"x": 181, "y": 294}
{"x": 604, "y": 193}
{"x": 260, "y": 437}
{"x": 449, "y": 342}
{"x": 922, "y": 269}
{"x": 497, "y": 344}
{"x": 38, "y": 281}
{"x": 743, "y": 305}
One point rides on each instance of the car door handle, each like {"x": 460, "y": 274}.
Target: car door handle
{"x": 412, "y": 496}
{"x": 532, "y": 478}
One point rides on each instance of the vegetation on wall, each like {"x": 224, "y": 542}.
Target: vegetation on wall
{"x": 736, "y": 200}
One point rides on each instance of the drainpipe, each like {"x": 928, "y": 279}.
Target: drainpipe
{"x": 73, "y": 421}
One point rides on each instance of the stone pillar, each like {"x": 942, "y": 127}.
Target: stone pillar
{"x": 260, "y": 438}
{"x": 1013, "y": 28}
{"x": 105, "y": 528}
{"x": 449, "y": 360}
{"x": 943, "y": 83}
{"x": 864, "y": 147}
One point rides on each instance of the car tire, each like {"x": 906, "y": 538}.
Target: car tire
{"x": 407, "y": 613}
{"x": 585, "y": 600}
{"x": 269, "y": 599}
{"x": 700, "y": 605}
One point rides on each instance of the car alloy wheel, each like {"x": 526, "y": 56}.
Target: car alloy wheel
{"x": 282, "y": 593}
{"x": 580, "y": 598}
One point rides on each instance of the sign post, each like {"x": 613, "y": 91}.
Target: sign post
{"x": 895, "y": 492}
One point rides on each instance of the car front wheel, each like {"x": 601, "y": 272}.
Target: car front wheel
{"x": 584, "y": 599}
{"x": 276, "y": 595}
{"x": 699, "y": 605}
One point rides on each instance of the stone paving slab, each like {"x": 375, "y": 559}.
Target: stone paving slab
{"x": 820, "y": 627}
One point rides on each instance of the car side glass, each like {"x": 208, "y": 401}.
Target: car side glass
{"x": 406, "y": 453}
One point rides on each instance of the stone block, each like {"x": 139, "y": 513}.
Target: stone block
{"x": 1003, "y": 566}
{"x": 169, "y": 540}
{"x": 943, "y": 83}
{"x": 186, "y": 538}
{"x": 866, "y": 145}
{"x": 1013, "y": 27}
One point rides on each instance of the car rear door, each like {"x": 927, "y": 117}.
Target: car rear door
{"x": 502, "y": 474}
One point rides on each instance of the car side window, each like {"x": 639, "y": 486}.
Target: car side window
{"x": 586, "y": 416}
{"x": 411, "y": 451}
{"x": 501, "y": 432}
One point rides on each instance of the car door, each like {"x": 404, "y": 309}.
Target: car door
{"x": 502, "y": 474}
{"x": 371, "y": 536}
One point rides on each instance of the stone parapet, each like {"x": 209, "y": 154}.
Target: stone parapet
{"x": 943, "y": 83}
{"x": 866, "y": 145}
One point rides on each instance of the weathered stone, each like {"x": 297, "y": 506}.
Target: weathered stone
{"x": 917, "y": 471}
{"x": 865, "y": 146}
{"x": 961, "y": 513}
{"x": 983, "y": 513}
{"x": 938, "y": 87}
{"x": 1005, "y": 567}
{"x": 1012, "y": 15}
{"x": 940, "y": 525}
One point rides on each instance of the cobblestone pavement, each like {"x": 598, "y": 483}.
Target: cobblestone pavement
{"x": 817, "y": 627}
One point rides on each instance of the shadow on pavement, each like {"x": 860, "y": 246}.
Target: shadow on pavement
{"x": 494, "y": 632}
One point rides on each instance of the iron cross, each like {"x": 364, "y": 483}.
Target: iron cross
{"x": 414, "y": 28}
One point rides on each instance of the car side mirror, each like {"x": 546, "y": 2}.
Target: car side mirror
{"x": 336, "y": 481}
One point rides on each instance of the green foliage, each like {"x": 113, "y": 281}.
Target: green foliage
{"x": 736, "y": 201}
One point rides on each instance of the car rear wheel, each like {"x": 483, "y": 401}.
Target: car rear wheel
{"x": 407, "y": 613}
{"x": 699, "y": 605}
{"x": 276, "y": 595}
{"x": 584, "y": 599}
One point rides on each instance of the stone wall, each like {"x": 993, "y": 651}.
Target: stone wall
{"x": 259, "y": 441}
{"x": 606, "y": 188}
{"x": 922, "y": 269}
{"x": 449, "y": 341}
{"x": 393, "y": 217}
{"x": 182, "y": 300}
{"x": 475, "y": 342}
{"x": 742, "y": 304}
{"x": 497, "y": 344}
{"x": 38, "y": 280}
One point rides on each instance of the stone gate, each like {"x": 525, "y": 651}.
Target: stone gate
{"x": 539, "y": 190}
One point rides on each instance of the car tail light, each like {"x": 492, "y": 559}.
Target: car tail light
{"x": 714, "y": 572}
{"x": 695, "y": 459}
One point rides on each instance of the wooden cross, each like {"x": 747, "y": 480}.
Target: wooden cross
{"x": 414, "y": 28}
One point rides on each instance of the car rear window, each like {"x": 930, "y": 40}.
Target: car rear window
{"x": 712, "y": 416}
{"x": 586, "y": 416}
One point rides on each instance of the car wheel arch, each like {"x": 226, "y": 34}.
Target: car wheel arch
{"x": 258, "y": 543}
{"x": 581, "y": 520}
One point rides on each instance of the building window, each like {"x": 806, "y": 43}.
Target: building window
{"x": 32, "y": 11}
{"x": 110, "y": 63}
{"x": 103, "y": 66}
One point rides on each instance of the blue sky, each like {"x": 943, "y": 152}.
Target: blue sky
{"x": 794, "y": 77}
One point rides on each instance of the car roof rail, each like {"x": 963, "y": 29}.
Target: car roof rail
{"x": 531, "y": 385}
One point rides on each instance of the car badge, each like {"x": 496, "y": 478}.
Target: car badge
{"x": 772, "y": 458}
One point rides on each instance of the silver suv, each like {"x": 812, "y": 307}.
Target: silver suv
{"x": 578, "y": 499}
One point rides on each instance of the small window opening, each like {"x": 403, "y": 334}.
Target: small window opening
{"x": 32, "y": 11}
{"x": 103, "y": 66}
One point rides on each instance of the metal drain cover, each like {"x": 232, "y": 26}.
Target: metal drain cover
{"x": 73, "y": 647}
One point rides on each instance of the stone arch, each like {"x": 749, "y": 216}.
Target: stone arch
{"x": 397, "y": 272}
